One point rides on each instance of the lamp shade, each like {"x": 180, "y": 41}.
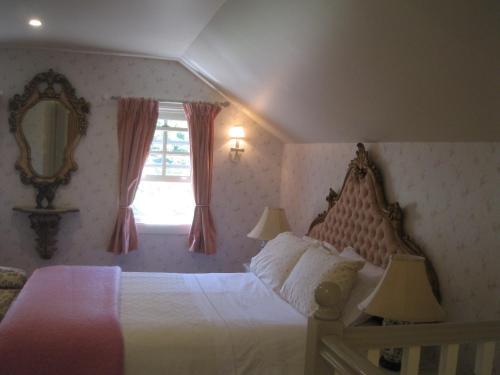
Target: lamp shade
{"x": 271, "y": 223}
{"x": 404, "y": 293}
{"x": 237, "y": 132}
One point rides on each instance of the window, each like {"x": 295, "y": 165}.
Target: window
{"x": 165, "y": 195}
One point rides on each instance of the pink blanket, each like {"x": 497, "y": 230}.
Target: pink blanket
{"x": 64, "y": 321}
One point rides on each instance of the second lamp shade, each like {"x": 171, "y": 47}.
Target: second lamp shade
{"x": 271, "y": 223}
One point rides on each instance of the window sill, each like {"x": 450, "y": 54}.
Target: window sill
{"x": 162, "y": 229}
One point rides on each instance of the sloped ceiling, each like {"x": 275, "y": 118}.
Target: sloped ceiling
{"x": 315, "y": 70}
{"x": 351, "y": 70}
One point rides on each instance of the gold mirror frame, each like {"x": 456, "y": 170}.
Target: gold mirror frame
{"x": 47, "y": 86}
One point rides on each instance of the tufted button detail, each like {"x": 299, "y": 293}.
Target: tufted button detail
{"x": 356, "y": 220}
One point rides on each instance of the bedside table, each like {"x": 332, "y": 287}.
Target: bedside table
{"x": 246, "y": 267}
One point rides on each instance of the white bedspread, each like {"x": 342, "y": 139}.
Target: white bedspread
{"x": 208, "y": 324}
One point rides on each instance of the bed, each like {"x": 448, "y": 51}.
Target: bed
{"x": 99, "y": 320}
{"x": 227, "y": 323}
{"x": 223, "y": 323}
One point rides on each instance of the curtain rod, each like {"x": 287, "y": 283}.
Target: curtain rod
{"x": 222, "y": 104}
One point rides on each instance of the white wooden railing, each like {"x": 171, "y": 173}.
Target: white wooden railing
{"x": 333, "y": 348}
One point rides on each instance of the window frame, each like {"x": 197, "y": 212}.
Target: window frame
{"x": 179, "y": 229}
{"x": 167, "y": 111}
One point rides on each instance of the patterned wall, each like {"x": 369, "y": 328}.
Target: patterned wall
{"x": 240, "y": 190}
{"x": 449, "y": 192}
{"x": 450, "y": 196}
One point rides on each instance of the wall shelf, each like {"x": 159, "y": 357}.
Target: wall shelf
{"x": 45, "y": 223}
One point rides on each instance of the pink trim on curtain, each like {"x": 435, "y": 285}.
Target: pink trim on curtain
{"x": 201, "y": 118}
{"x": 136, "y": 127}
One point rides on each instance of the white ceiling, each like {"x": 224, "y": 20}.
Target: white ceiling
{"x": 163, "y": 28}
{"x": 317, "y": 70}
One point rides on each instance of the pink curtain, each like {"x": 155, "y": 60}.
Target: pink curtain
{"x": 201, "y": 118}
{"x": 136, "y": 127}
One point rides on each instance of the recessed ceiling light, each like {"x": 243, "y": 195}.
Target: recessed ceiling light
{"x": 35, "y": 22}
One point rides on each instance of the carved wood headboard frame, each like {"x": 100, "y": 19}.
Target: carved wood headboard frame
{"x": 360, "y": 217}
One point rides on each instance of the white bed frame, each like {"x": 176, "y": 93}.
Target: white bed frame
{"x": 335, "y": 349}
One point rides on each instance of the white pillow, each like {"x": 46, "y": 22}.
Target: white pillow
{"x": 325, "y": 244}
{"x": 276, "y": 260}
{"x": 330, "y": 248}
{"x": 311, "y": 240}
{"x": 314, "y": 267}
{"x": 368, "y": 278}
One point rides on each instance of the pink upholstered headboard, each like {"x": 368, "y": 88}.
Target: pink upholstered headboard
{"x": 360, "y": 217}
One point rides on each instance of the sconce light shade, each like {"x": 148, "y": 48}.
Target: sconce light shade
{"x": 404, "y": 293}
{"x": 237, "y": 132}
{"x": 271, "y": 223}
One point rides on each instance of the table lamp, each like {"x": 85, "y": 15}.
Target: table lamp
{"x": 403, "y": 296}
{"x": 271, "y": 223}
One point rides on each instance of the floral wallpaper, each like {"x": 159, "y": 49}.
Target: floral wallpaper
{"x": 449, "y": 191}
{"x": 240, "y": 190}
{"x": 450, "y": 197}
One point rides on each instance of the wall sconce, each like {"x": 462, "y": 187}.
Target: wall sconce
{"x": 237, "y": 133}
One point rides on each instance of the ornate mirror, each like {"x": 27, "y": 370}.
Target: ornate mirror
{"x": 48, "y": 120}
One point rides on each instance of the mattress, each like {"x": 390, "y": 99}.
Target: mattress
{"x": 222, "y": 323}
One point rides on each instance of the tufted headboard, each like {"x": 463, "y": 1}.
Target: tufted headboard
{"x": 360, "y": 217}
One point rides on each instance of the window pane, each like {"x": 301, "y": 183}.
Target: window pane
{"x": 181, "y": 172}
{"x": 157, "y": 143}
{"x": 177, "y": 123}
{"x": 165, "y": 195}
{"x": 182, "y": 161}
{"x": 179, "y": 136}
{"x": 164, "y": 203}
{"x": 154, "y": 160}
{"x": 152, "y": 171}
{"x": 177, "y": 147}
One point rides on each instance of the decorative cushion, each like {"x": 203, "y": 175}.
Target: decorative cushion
{"x": 12, "y": 278}
{"x": 7, "y": 296}
{"x": 314, "y": 267}
{"x": 368, "y": 278}
{"x": 275, "y": 261}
